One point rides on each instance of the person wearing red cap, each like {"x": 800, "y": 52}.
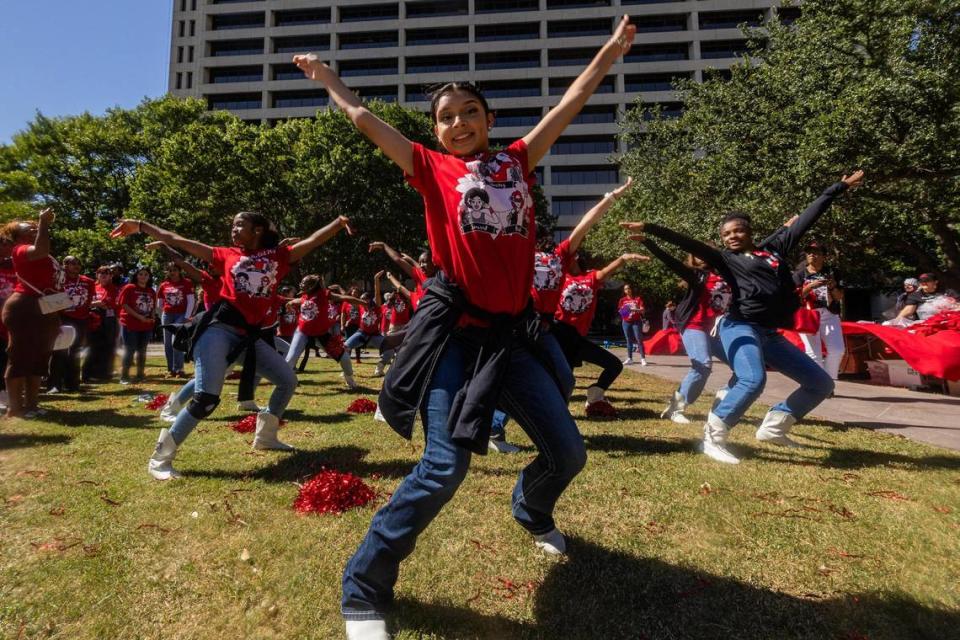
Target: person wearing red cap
{"x": 821, "y": 283}
{"x": 922, "y": 302}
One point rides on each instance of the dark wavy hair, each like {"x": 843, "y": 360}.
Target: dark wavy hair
{"x": 271, "y": 237}
{"x": 438, "y": 92}
{"x": 310, "y": 284}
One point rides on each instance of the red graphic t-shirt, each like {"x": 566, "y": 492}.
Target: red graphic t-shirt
{"x": 714, "y": 301}
{"x": 107, "y": 295}
{"x": 250, "y": 280}
{"x": 81, "y": 292}
{"x": 142, "y": 300}
{"x": 45, "y": 274}
{"x": 289, "y": 319}
{"x": 578, "y": 301}
{"x": 210, "y": 286}
{"x": 548, "y": 272}
{"x": 369, "y": 320}
{"x": 631, "y": 309}
{"x": 353, "y": 314}
{"x": 480, "y": 222}
{"x": 314, "y": 313}
{"x": 419, "y": 277}
{"x": 398, "y": 312}
{"x": 174, "y": 295}
{"x": 8, "y": 282}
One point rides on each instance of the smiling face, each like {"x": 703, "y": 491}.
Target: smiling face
{"x": 737, "y": 235}
{"x": 461, "y": 124}
{"x": 244, "y": 234}
{"x": 143, "y": 277}
{"x": 928, "y": 286}
{"x": 71, "y": 266}
{"x": 426, "y": 264}
{"x": 173, "y": 273}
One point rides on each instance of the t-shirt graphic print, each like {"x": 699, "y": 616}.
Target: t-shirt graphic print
{"x": 495, "y": 197}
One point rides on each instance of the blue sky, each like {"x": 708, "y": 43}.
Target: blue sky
{"x": 64, "y": 57}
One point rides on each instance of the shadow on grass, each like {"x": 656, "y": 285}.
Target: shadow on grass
{"x": 105, "y": 418}
{"x": 25, "y": 440}
{"x": 858, "y": 458}
{"x": 304, "y": 463}
{"x": 603, "y": 594}
{"x": 632, "y": 444}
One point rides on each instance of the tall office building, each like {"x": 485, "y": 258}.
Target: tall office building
{"x": 236, "y": 55}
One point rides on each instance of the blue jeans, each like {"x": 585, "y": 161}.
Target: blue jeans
{"x": 700, "y": 346}
{"x": 532, "y": 398}
{"x": 749, "y": 348}
{"x": 633, "y": 332}
{"x": 210, "y": 367}
{"x": 174, "y": 357}
{"x": 134, "y": 342}
{"x": 360, "y": 339}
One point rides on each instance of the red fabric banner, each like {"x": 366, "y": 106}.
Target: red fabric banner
{"x": 665, "y": 342}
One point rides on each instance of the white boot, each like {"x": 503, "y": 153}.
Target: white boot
{"x": 171, "y": 409}
{"x": 367, "y": 630}
{"x": 266, "y": 435}
{"x": 347, "y": 373}
{"x": 552, "y": 543}
{"x": 775, "y": 427}
{"x": 674, "y": 410}
{"x": 248, "y": 405}
{"x": 160, "y": 465}
{"x": 594, "y": 394}
{"x": 715, "y": 434}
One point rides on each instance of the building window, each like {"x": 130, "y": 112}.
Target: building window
{"x": 597, "y": 114}
{"x": 511, "y": 31}
{"x": 568, "y": 145}
{"x": 189, "y": 79}
{"x": 559, "y": 86}
{"x": 578, "y": 28}
{"x": 437, "y": 64}
{"x": 369, "y": 40}
{"x": 220, "y": 75}
{"x": 655, "y": 24}
{"x": 658, "y": 52}
{"x": 234, "y": 101}
{"x": 286, "y": 72}
{"x": 573, "y": 4}
{"x": 508, "y": 60}
{"x": 193, "y": 5}
{"x": 510, "y": 88}
{"x": 603, "y": 174}
{"x": 236, "y": 48}
{"x": 179, "y": 55}
{"x": 179, "y": 81}
{"x": 788, "y": 15}
{"x": 730, "y": 19}
{"x": 653, "y": 81}
{"x": 387, "y": 94}
{"x": 447, "y": 35}
{"x": 370, "y": 12}
{"x": 238, "y": 21}
{"x": 190, "y": 53}
{"x": 571, "y": 206}
{"x": 295, "y": 99}
{"x": 570, "y": 57}
{"x": 518, "y": 117}
{"x": 373, "y": 67}
{"x": 183, "y": 26}
{"x": 502, "y": 6}
{"x": 193, "y": 28}
{"x": 301, "y": 16}
{"x": 301, "y": 44}
{"x": 433, "y": 8}
{"x": 723, "y": 49}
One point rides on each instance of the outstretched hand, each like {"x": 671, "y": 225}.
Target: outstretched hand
{"x": 375, "y": 246}
{"x": 624, "y": 34}
{"x": 619, "y": 191}
{"x": 345, "y": 223}
{"x": 47, "y": 215}
{"x": 380, "y": 274}
{"x": 635, "y": 257}
{"x": 125, "y": 228}
{"x": 854, "y": 180}
{"x": 311, "y": 65}
{"x": 633, "y": 226}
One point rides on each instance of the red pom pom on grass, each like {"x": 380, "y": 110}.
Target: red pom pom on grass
{"x": 601, "y": 409}
{"x": 332, "y": 492}
{"x": 248, "y": 424}
{"x": 362, "y": 405}
{"x": 158, "y": 402}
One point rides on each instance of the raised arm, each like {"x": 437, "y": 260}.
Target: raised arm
{"x": 177, "y": 258}
{"x": 393, "y": 143}
{"x": 593, "y": 216}
{"x": 343, "y": 297}
{"x": 377, "y": 295}
{"x": 41, "y": 245}
{"x": 703, "y": 251}
{"x": 549, "y": 129}
{"x": 194, "y": 248}
{"x": 300, "y": 250}
{"x": 398, "y": 258}
{"x": 783, "y": 240}
{"x": 398, "y": 285}
{"x": 620, "y": 263}
{"x": 682, "y": 270}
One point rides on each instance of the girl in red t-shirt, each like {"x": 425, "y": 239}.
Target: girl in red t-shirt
{"x": 251, "y": 269}
{"x": 137, "y": 302}
{"x": 481, "y": 231}
{"x": 65, "y": 363}
{"x": 175, "y": 295}
{"x": 315, "y": 324}
{"x": 631, "y": 311}
{"x": 103, "y": 339}
{"x": 370, "y": 333}
{"x": 575, "y": 311}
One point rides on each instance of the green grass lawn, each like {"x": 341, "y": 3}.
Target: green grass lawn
{"x": 855, "y": 536}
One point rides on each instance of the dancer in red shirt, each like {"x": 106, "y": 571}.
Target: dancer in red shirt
{"x": 315, "y": 324}
{"x": 65, "y": 363}
{"x": 102, "y": 339}
{"x": 631, "y": 310}
{"x": 482, "y": 235}
{"x": 137, "y": 302}
{"x": 176, "y": 299}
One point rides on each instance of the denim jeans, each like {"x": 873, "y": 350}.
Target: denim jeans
{"x": 749, "y": 348}
{"x": 134, "y": 342}
{"x": 360, "y": 339}
{"x": 532, "y": 398}
{"x": 174, "y": 357}
{"x": 700, "y": 347}
{"x": 211, "y": 364}
{"x": 633, "y": 332}
{"x": 831, "y": 335}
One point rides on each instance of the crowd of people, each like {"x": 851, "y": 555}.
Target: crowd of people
{"x": 485, "y": 326}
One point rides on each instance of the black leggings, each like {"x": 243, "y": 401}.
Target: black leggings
{"x": 578, "y": 349}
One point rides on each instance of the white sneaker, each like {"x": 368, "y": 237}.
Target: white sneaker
{"x": 367, "y": 630}
{"x": 4, "y": 399}
{"x": 502, "y": 446}
{"x": 643, "y": 362}
{"x": 378, "y": 371}
{"x": 679, "y": 418}
{"x": 715, "y": 434}
{"x": 378, "y": 415}
{"x": 248, "y": 405}
{"x": 628, "y": 361}
{"x": 552, "y": 543}
{"x": 53, "y": 391}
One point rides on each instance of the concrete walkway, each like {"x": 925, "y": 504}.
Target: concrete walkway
{"x": 926, "y": 417}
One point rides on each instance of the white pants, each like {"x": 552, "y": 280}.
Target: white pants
{"x": 831, "y": 335}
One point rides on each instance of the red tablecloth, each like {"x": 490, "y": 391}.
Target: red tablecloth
{"x": 665, "y": 342}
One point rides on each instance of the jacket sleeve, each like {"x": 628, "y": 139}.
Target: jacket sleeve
{"x": 705, "y": 252}
{"x": 675, "y": 265}
{"x": 782, "y": 241}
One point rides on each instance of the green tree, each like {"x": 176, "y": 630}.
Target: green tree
{"x": 873, "y": 84}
